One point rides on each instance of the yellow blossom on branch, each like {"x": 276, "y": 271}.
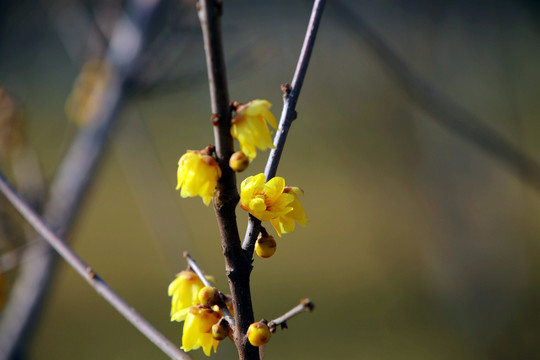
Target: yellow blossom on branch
{"x": 249, "y": 127}
{"x": 185, "y": 293}
{"x": 265, "y": 201}
{"x": 198, "y": 329}
{"x": 285, "y": 223}
{"x": 272, "y": 201}
{"x": 198, "y": 173}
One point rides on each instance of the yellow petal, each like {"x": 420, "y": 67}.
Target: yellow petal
{"x": 190, "y": 335}
{"x": 274, "y": 188}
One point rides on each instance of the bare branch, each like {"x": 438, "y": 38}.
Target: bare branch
{"x": 305, "y": 305}
{"x": 288, "y": 114}
{"x": 89, "y": 275}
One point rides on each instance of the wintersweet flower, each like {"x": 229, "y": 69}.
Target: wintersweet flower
{"x": 265, "y": 201}
{"x": 249, "y": 127}
{"x": 198, "y": 329}
{"x": 185, "y": 293}
{"x": 285, "y": 223}
{"x": 198, "y": 173}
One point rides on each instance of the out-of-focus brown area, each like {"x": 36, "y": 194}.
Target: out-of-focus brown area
{"x": 419, "y": 245}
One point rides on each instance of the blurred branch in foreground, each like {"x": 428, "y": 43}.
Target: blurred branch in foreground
{"x": 88, "y": 274}
{"x": 441, "y": 109}
{"x": 74, "y": 177}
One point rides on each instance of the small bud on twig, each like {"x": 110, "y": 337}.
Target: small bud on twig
{"x": 239, "y": 161}
{"x": 265, "y": 246}
{"x": 258, "y": 333}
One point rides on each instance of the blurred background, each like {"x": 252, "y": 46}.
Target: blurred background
{"x": 423, "y": 241}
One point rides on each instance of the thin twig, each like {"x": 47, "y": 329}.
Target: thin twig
{"x": 195, "y": 267}
{"x": 238, "y": 266}
{"x": 222, "y": 306}
{"x": 443, "y": 110}
{"x": 288, "y": 114}
{"x": 305, "y": 305}
{"x": 88, "y": 274}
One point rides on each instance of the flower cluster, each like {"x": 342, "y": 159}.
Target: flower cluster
{"x": 198, "y": 174}
{"x": 272, "y": 201}
{"x": 191, "y": 303}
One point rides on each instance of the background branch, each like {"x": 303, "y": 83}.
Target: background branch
{"x": 288, "y": 114}
{"x": 89, "y": 275}
{"x": 441, "y": 109}
{"x": 72, "y": 180}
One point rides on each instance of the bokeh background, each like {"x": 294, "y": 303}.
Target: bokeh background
{"x": 420, "y": 245}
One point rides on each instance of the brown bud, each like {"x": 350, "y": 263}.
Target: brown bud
{"x": 209, "y": 296}
{"x": 220, "y": 330}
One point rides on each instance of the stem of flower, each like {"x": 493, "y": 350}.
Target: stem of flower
{"x": 288, "y": 114}
{"x": 222, "y": 306}
{"x": 237, "y": 265}
{"x": 305, "y": 305}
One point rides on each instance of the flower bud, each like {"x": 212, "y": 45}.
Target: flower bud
{"x": 265, "y": 246}
{"x": 239, "y": 161}
{"x": 208, "y": 296}
{"x": 258, "y": 334}
{"x": 220, "y": 330}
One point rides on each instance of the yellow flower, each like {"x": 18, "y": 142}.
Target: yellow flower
{"x": 249, "y": 127}
{"x": 198, "y": 329}
{"x": 198, "y": 173}
{"x": 285, "y": 223}
{"x": 265, "y": 201}
{"x": 185, "y": 293}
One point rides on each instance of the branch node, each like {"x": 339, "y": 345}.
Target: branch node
{"x": 215, "y": 119}
{"x": 308, "y": 304}
{"x": 233, "y": 105}
{"x": 91, "y": 272}
{"x": 286, "y": 88}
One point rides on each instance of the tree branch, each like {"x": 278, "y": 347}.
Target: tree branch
{"x": 88, "y": 274}
{"x": 238, "y": 266}
{"x": 288, "y": 114}
{"x": 305, "y": 305}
